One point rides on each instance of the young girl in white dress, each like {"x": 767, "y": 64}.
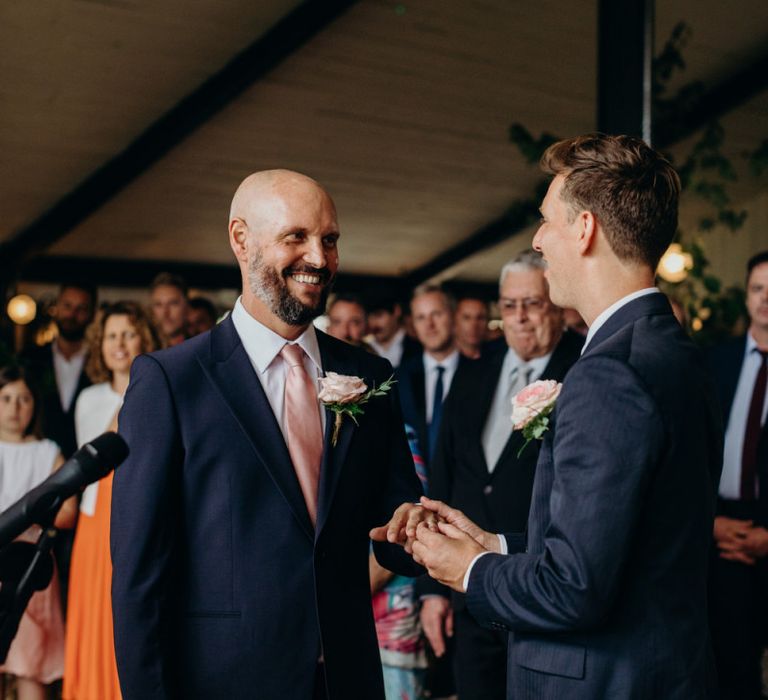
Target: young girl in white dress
{"x": 36, "y": 655}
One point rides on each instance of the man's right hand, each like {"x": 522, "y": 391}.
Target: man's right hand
{"x": 437, "y": 621}
{"x": 487, "y": 540}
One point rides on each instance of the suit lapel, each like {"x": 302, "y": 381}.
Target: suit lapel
{"x": 333, "y": 456}
{"x": 230, "y": 370}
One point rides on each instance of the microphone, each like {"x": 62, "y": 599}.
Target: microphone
{"x": 91, "y": 462}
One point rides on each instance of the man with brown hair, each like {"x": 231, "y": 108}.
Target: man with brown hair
{"x": 169, "y": 304}
{"x": 606, "y": 598}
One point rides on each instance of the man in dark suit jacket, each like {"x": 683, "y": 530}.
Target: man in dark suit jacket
{"x": 388, "y": 336}
{"x": 59, "y": 366}
{"x": 239, "y": 571}
{"x": 608, "y": 598}
{"x": 437, "y": 364}
{"x": 496, "y": 496}
{"x": 739, "y": 574}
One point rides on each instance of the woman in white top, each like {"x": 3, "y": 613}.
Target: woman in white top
{"x": 36, "y": 656}
{"x": 119, "y": 334}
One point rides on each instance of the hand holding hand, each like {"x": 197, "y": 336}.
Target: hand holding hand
{"x": 446, "y": 554}
{"x": 487, "y": 540}
{"x": 401, "y": 529}
{"x": 732, "y": 537}
{"x": 437, "y": 621}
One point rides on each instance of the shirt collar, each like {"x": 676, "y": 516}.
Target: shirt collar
{"x": 450, "y": 363}
{"x": 82, "y": 352}
{"x": 612, "y": 309}
{"x": 513, "y": 361}
{"x": 262, "y": 344}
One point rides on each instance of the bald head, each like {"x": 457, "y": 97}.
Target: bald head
{"x": 283, "y": 231}
{"x": 260, "y": 193}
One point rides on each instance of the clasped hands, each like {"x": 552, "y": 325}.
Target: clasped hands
{"x": 740, "y": 540}
{"x": 440, "y": 538}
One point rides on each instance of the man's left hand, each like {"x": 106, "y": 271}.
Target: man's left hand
{"x": 446, "y": 554}
{"x": 401, "y": 529}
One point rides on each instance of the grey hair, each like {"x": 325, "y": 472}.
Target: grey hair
{"x": 423, "y": 289}
{"x": 523, "y": 262}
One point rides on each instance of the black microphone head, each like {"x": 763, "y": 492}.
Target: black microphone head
{"x": 110, "y": 448}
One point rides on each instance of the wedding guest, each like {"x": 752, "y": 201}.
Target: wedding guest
{"x": 739, "y": 570}
{"x": 479, "y": 466}
{"x": 347, "y": 319}
{"x": 240, "y": 519}
{"x": 120, "y": 333}
{"x": 59, "y": 366}
{"x": 169, "y": 302}
{"x": 201, "y": 316}
{"x": 36, "y": 654}
{"x": 385, "y": 323}
{"x": 470, "y": 325}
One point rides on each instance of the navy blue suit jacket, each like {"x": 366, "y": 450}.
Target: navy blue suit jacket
{"x": 221, "y": 586}
{"x": 413, "y": 398}
{"x": 609, "y": 600}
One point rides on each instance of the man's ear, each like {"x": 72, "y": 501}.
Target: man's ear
{"x": 586, "y": 235}
{"x": 238, "y": 238}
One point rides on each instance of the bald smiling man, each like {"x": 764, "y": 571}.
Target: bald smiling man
{"x": 239, "y": 538}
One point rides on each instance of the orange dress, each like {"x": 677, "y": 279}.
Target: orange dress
{"x": 90, "y": 671}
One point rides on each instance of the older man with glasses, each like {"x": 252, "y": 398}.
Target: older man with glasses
{"x": 476, "y": 466}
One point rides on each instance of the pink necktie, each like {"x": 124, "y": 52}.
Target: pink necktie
{"x": 302, "y": 427}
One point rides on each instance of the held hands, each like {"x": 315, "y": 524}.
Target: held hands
{"x": 740, "y": 540}
{"x": 442, "y": 539}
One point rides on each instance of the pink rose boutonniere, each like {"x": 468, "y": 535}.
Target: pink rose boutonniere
{"x": 531, "y": 408}
{"x": 345, "y": 395}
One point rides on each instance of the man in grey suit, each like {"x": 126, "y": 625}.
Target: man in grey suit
{"x": 607, "y": 596}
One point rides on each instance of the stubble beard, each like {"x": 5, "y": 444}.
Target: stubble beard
{"x": 271, "y": 288}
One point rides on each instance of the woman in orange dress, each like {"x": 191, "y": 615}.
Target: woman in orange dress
{"x": 119, "y": 334}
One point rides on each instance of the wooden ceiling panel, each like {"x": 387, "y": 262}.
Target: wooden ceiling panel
{"x": 80, "y": 80}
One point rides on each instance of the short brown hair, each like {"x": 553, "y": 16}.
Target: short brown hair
{"x": 95, "y": 368}
{"x": 631, "y": 189}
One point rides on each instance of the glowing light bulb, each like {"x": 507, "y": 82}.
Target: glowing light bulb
{"x": 22, "y": 309}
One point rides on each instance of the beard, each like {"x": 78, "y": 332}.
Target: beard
{"x": 70, "y": 331}
{"x": 271, "y": 288}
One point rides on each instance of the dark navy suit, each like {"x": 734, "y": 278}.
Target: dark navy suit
{"x": 609, "y": 600}
{"x": 222, "y": 588}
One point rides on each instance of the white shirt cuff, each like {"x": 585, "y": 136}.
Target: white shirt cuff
{"x": 504, "y": 550}
{"x": 465, "y": 582}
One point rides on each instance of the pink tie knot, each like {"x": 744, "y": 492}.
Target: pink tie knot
{"x": 293, "y": 354}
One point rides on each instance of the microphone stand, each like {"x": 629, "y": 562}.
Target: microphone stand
{"x": 24, "y": 578}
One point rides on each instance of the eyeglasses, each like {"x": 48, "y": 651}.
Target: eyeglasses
{"x": 529, "y": 305}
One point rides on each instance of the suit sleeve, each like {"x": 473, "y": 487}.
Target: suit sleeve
{"x": 403, "y": 486}
{"x": 608, "y": 439}
{"x": 143, "y": 531}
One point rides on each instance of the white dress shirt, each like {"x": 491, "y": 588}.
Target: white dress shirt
{"x": 596, "y": 325}
{"x": 730, "y": 480}
{"x": 263, "y": 346}
{"x": 449, "y": 365}
{"x": 67, "y": 373}
{"x": 392, "y": 352}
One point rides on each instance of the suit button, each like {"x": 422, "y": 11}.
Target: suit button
{"x": 488, "y": 490}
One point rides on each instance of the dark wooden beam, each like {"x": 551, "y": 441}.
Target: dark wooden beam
{"x": 169, "y": 130}
{"x": 509, "y": 224}
{"x": 104, "y": 272}
{"x": 624, "y": 62}
{"x": 715, "y": 103}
